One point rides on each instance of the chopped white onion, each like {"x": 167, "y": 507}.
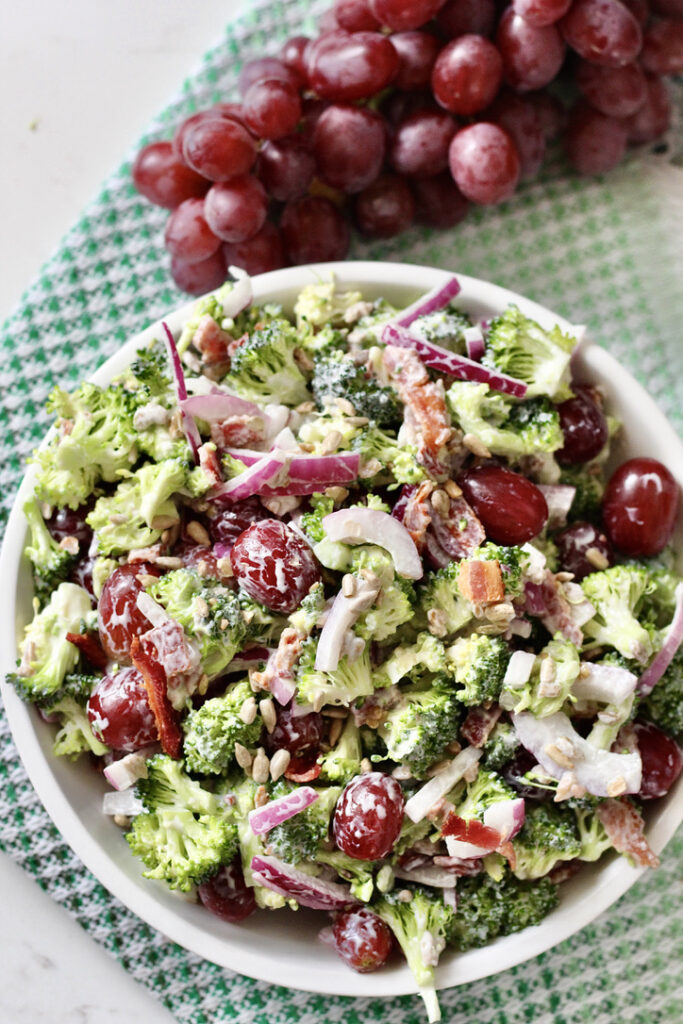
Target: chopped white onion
{"x": 558, "y": 498}
{"x": 519, "y": 669}
{"x": 122, "y": 801}
{"x": 421, "y": 802}
{"x": 428, "y": 875}
{"x": 157, "y": 615}
{"x": 241, "y": 294}
{"x": 341, "y": 617}
{"x": 370, "y": 526}
{"x": 125, "y": 772}
{"x": 609, "y": 684}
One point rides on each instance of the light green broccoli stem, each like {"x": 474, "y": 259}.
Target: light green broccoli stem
{"x": 342, "y": 762}
{"x": 478, "y": 664}
{"x": 555, "y": 671}
{"x": 505, "y": 428}
{"x": 51, "y": 563}
{"x": 75, "y": 735}
{"x": 323, "y": 303}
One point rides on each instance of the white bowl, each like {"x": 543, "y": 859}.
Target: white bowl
{"x": 282, "y": 948}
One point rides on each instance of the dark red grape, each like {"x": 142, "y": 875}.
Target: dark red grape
{"x": 602, "y": 31}
{"x": 226, "y": 111}
{"x": 439, "y": 202}
{"x": 200, "y": 277}
{"x": 417, "y": 52}
{"x": 419, "y": 148}
{"x": 385, "y": 208}
{"x": 584, "y": 427}
{"x": 574, "y": 543}
{"x": 362, "y": 939}
{"x": 347, "y": 67}
{"x": 594, "y": 142}
{"x": 484, "y": 163}
{"x": 293, "y": 55}
{"x": 267, "y": 67}
{"x": 467, "y": 75}
{"x": 661, "y": 759}
{"x": 227, "y": 895}
{"x": 640, "y": 9}
{"x": 368, "y": 816}
{"x": 464, "y": 17}
{"x": 669, "y": 8}
{"x": 273, "y": 565}
{"x": 662, "y": 52}
{"x": 235, "y": 210}
{"x": 532, "y": 56}
{"x": 401, "y": 15}
{"x": 299, "y": 734}
{"x": 272, "y": 108}
{"x": 230, "y": 522}
{"x": 399, "y": 105}
{"x": 286, "y": 167}
{"x": 188, "y": 237}
{"x": 616, "y": 92}
{"x": 162, "y": 178}
{"x": 119, "y": 711}
{"x": 348, "y": 144}
{"x": 311, "y": 108}
{"x": 541, "y": 12}
{"x": 550, "y": 111}
{"x": 639, "y": 507}
{"x": 118, "y": 617}
{"x": 512, "y": 510}
{"x": 200, "y": 558}
{"x": 70, "y": 522}
{"x": 314, "y": 231}
{"x": 355, "y": 16}
{"x": 219, "y": 149}
{"x": 259, "y": 254}
{"x": 521, "y": 121}
{"x": 654, "y": 117}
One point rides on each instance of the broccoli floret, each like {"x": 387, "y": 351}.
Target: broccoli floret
{"x": 478, "y": 663}
{"x": 549, "y": 834}
{"x": 263, "y": 626}
{"x": 186, "y": 833}
{"x": 213, "y": 305}
{"x": 350, "y": 680}
{"x": 212, "y": 730}
{"x": 500, "y": 747}
{"x": 446, "y": 327}
{"x": 46, "y": 655}
{"x": 208, "y": 611}
{"x": 592, "y": 834}
{"x": 306, "y": 617}
{"x": 488, "y": 788}
{"x": 504, "y": 427}
{"x": 75, "y": 735}
{"x": 320, "y": 304}
{"x": 659, "y": 600}
{"x": 358, "y": 873}
{"x": 521, "y": 348}
{"x": 588, "y": 479}
{"x": 264, "y": 368}
{"x": 299, "y": 837}
{"x": 441, "y": 603}
{"x": 51, "y": 563}
{"x": 319, "y": 425}
{"x": 616, "y": 594}
{"x": 392, "y": 609}
{"x": 342, "y": 762}
{"x": 94, "y": 440}
{"x": 664, "y": 706}
{"x": 336, "y": 375}
{"x": 148, "y": 375}
{"x": 487, "y": 908}
{"x": 411, "y": 661}
{"x": 420, "y": 727}
{"x": 555, "y": 671}
{"x": 312, "y": 522}
{"x": 513, "y": 561}
{"x": 382, "y": 447}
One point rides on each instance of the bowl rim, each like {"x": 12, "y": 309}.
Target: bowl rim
{"x": 160, "y": 909}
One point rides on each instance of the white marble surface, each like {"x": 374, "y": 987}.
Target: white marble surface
{"x": 79, "y": 80}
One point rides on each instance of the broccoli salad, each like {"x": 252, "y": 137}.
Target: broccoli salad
{"x": 349, "y": 612}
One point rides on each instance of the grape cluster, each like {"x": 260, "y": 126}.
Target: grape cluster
{"x": 402, "y": 111}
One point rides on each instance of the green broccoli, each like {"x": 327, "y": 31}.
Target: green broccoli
{"x": 312, "y": 522}
{"x": 358, "y": 873}
{"x": 342, "y": 763}
{"x": 212, "y": 730}
{"x": 47, "y": 657}
{"x": 488, "y": 788}
{"x": 251, "y": 845}
{"x": 592, "y": 834}
{"x": 514, "y": 563}
{"x": 588, "y": 479}
{"x": 318, "y": 426}
{"x": 307, "y": 615}
{"x": 487, "y": 908}
{"x": 445, "y": 327}
{"x": 521, "y": 348}
{"x": 263, "y": 626}
{"x": 500, "y": 747}
{"x": 411, "y": 661}
{"x": 336, "y": 375}
{"x": 616, "y": 594}
{"x": 478, "y": 663}
{"x": 264, "y": 367}
{"x": 550, "y": 834}
{"x": 382, "y": 447}
{"x": 148, "y": 375}
{"x": 320, "y": 304}
{"x": 213, "y": 306}
{"x": 298, "y": 838}
{"x": 505, "y": 428}
{"x": 555, "y": 671}
{"x": 420, "y": 727}
{"x": 441, "y": 603}
{"x": 186, "y": 833}
{"x": 51, "y": 563}
{"x": 67, "y": 705}
{"x": 659, "y": 600}
{"x": 350, "y": 680}
{"x": 392, "y": 609}
{"x": 664, "y": 705}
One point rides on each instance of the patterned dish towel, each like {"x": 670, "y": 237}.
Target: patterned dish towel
{"x": 605, "y": 253}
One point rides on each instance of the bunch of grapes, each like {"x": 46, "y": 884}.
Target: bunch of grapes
{"x": 402, "y": 111}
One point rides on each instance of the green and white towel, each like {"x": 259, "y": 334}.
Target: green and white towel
{"x": 605, "y": 253}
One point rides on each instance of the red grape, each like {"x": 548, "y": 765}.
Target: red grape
{"x": 293, "y": 55}
{"x": 439, "y": 202}
{"x": 286, "y": 168}
{"x": 575, "y": 541}
{"x": 219, "y": 148}
{"x": 224, "y": 111}
{"x": 200, "y": 558}
{"x": 465, "y": 17}
{"x": 314, "y": 231}
{"x": 235, "y": 210}
{"x": 119, "y": 711}
{"x": 420, "y": 145}
{"x": 368, "y": 816}
{"x": 532, "y": 56}
{"x": 272, "y": 108}
{"x": 259, "y": 254}
{"x": 273, "y": 565}
{"x": 594, "y": 142}
{"x": 299, "y": 734}
{"x": 663, "y": 48}
{"x": 484, "y": 163}
{"x": 521, "y": 121}
{"x": 550, "y": 111}
{"x": 118, "y": 617}
{"x": 654, "y": 117}
{"x": 417, "y": 52}
{"x": 400, "y": 105}
{"x": 400, "y": 15}
{"x": 70, "y": 522}
{"x": 541, "y": 12}
{"x": 467, "y": 75}
{"x": 616, "y": 92}
{"x": 584, "y": 427}
{"x": 639, "y": 507}
{"x": 348, "y": 144}
{"x": 512, "y": 510}
{"x": 347, "y": 67}
{"x": 670, "y": 8}
{"x": 230, "y": 522}
{"x": 162, "y": 178}
{"x": 188, "y": 236}
{"x": 267, "y": 67}
{"x": 385, "y": 208}
{"x": 640, "y": 9}
{"x": 603, "y": 32}
{"x": 227, "y": 895}
{"x": 661, "y": 759}
{"x": 362, "y": 939}
{"x": 200, "y": 277}
{"x": 355, "y": 16}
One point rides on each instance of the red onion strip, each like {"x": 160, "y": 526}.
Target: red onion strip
{"x": 434, "y": 300}
{"x": 218, "y": 406}
{"x": 252, "y": 480}
{"x": 188, "y": 424}
{"x": 308, "y": 891}
{"x": 654, "y": 672}
{"x": 262, "y": 819}
{"x": 474, "y": 343}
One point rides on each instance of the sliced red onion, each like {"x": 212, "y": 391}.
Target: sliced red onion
{"x": 246, "y": 455}
{"x": 218, "y": 406}
{"x": 558, "y": 498}
{"x": 247, "y": 659}
{"x": 506, "y": 816}
{"x": 307, "y": 474}
{"x": 519, "y": 669}
{"x": 122, "y": 801}
{"x": 594, "y": 769}
{"x": 439, "y": 878}
{"x": 342, "y": 615}
{"x": 609, "y": 684}
{"x": 262, "y": 819}
{"x": 187, "y": 422}
{"x": 674, "y": 637}
{"x": 308, "y": 891}
{"x": 451, "y": 363}
{"x": 157, "y": 615}
{"x": 241, "y": 295}
{"x": 474, "y": 343}
{"x": 253, "y": 479}
{"x": 370, "y": 526}
{"x": 421, "y": 802}
{"x": 125, "y": 772}
{"x": 433, "y": 301}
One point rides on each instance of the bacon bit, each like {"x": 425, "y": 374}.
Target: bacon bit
{"x": 170, "y": 736}
{"x": 625, "y": 828}
{"x": 235, "y": 343}
{"x": 462, "y": 868}
{"x": 507, "y": 850}
{"x": 479, "y": 724}
{"x": 474, "y": 832}
{"x": 458, "y": 531}
{"x": 239, "y": 432}
{"x": 212, "y": 341}
{"x": 417, "y": 516}
{"x": 280, "y": 665}
{"x": 564, "y": 871}
{"x": 90, "y": 646}
{"x": 210, "y": 463}
{"x": 168, "y": 647}
{"x": 554, "y": 610}
{"x": 481, "y": 582}
{"x": 303, "y": 769}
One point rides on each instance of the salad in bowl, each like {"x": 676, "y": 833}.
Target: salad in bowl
{"x": 356, "y": 611}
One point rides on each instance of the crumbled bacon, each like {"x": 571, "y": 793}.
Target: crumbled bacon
{"x": 625, "y": 828}
{"x": 303, "y": 769}
{"x": 458, "y": 531}
{"x": 212, "y": 341}
{"x": 170, "y": 736}
{"x": 473, "y": 831}
{"x": 481, "y": 582}
{"x": 479, "y": 724}
{"x": 548, "y": 602}
{"x": 416, "y": 513}
{"x": 91, "y": 647}
{"x": 279, "y": 670}
{"x": 239, "y": 432}
{"x": 210, "y": 463}
{"x": 167, "y": 645}
{"x": 564, "y": 871}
